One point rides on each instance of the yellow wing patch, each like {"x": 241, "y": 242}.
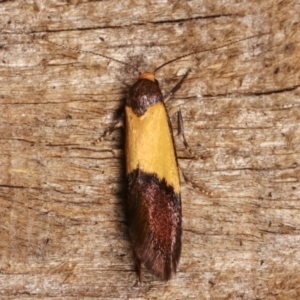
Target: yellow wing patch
{"x": 149, "y": 145}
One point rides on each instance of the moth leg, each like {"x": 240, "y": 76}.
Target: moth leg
{"x": 109, "y": 131}
{"x": 193, "y": 155}
{"x": 180, "y": 133}
{"x": 176, "y": 109}
{"x": 176, "y": 87}
{"x": 180, "y": 130}
{"x": 193, "y": 185}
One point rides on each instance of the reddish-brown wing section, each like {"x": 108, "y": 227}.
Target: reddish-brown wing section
{"x": 154, "y": 223}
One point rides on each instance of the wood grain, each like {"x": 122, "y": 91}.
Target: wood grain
{"x": 63, "y": 228}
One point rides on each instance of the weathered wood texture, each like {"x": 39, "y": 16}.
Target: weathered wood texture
{"x": 63, "y": 229}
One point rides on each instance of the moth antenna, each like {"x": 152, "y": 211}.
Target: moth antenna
{"x": 79, "y": 50}
{"x": 208, "y": 50}
{"x": 94, "y": 53}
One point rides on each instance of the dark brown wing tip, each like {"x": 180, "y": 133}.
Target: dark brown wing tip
{"x": 161, "y": 265}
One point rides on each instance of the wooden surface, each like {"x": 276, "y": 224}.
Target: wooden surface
{"x": 63, "y": 229}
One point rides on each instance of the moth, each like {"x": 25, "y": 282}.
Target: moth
{"x": 153, "y": 183}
